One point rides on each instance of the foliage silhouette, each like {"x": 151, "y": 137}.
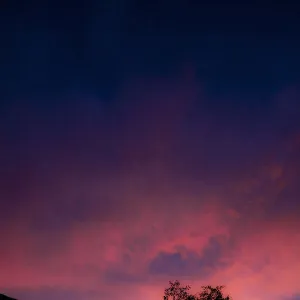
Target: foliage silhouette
{"x": 212, "y": 293}
{"x": 177, "y": 292}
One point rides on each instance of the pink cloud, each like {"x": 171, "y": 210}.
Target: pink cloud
{"x": 87, "y": 221}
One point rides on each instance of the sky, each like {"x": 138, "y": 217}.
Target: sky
{"x": 149, "y": 141}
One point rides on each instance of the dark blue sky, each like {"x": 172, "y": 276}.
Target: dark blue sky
{"x": 235, "y": 48}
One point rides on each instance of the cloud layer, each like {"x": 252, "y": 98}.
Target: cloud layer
{"x": 112, "y": 200}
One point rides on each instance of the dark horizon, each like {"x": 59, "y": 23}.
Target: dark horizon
{"x": 5, "y": 297}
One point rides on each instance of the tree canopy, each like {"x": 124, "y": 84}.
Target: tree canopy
{"x": 177, "y": 292}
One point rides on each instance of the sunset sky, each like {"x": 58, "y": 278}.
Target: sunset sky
{"x": 148, "y": 141}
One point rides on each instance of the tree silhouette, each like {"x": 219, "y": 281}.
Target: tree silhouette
{"x": 177, "y": 292}
{"x": 212, "y": 293}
